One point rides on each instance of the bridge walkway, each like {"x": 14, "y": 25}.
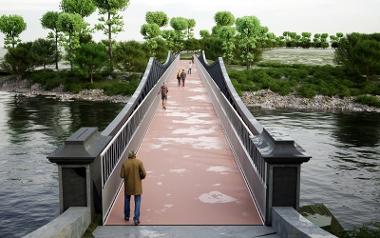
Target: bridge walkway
{"x": 192, "y": 177}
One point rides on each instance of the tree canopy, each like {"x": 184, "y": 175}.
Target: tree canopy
{"x": 158, "y": 17}
{"x": 12, "y": 26}
{"x": 81, "y": 7}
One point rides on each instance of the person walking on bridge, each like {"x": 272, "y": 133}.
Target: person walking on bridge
{"x": 164, "y": 95}
{"x": 189, "y": 68}
{"x": 132, "y": 171}
{"x": 183, "y": 77}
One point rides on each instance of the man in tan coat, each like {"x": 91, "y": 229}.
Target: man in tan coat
{"x": 133, "y": 172}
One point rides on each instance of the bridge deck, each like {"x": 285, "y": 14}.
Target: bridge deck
{"x": 192, "y": 178}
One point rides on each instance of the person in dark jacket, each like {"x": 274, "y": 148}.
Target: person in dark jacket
{"x": 132, "y": 171}
{"x": 183, "y": 77}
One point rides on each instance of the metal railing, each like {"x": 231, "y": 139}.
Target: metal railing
{"x": 254, "y": 147}
{"x": 128, "y": 128}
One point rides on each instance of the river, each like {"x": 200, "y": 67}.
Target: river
{"x": 30, "y": 129}
{"x": 343, "y": 173}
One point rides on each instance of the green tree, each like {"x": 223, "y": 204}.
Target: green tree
{"x": 250, "y": 35}
{"x": 227, "y": 36}
{"x": 179, "y": 24}
{"x": 71, "y": 24}
{"x": 360, "y": 54}
{"x": 12, "y": 26}
{"x": 335, "y": 39}
{"x": 19, "y": 60}
{"x": 224, "y": 18}
{"x": 49, "y": 20}
{"x": 130, "y": 56}
{"x": 81, "y": 7}
{"x": 159, "y": 18}
{"x": 204, "y": 34}
{"x": 305, "y": 39}
{"x": 170, "y": 38}
{"x": 190, "y": 28}
{"x": 41, "y": 50}
{"x": 89, "y": 59}
{"x": 317, "y": 43}
{"x": 113, "y": 22}
{"x": 150, "y": 31}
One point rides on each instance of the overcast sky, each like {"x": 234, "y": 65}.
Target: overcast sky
{"x": 293, "y": 15}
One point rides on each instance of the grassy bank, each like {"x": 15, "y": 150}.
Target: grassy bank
{"x": 306, "y": 81}
{"x": 74, "y": 83}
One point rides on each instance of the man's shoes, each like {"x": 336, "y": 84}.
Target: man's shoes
{"x": 137, "y": 222}
{"x": 126, "y": 218}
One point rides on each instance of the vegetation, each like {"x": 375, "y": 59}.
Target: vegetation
{"x": 304, "y": 80}
{"x": 365, "y": 231}
{"x": 112, "y": 23}
{"x": 49, "y": 20}
{"x": 12, "y": 26}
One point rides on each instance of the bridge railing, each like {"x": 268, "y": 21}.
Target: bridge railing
{"x": 89, "y": 162}
{"x": 270, "y": 164}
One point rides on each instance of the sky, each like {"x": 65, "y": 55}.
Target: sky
{"x": 279, "y": 15}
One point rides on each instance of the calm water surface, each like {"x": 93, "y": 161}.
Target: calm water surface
{"x": 30, "y": 129}
{"x": 344, "y": 172}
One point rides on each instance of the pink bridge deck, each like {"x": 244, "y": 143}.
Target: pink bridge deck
{"x": 192, "y": 177}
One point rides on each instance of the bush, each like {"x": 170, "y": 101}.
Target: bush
{"x": 368, "y": 100}
{"x": 307, "y": 90}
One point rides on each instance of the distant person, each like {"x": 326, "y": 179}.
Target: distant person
{"x": 183, "y": 77}
{"x": 179, "y": 77}
{"x": 192, "y": 59}
{"x": 133, "y": 172}
{"x": 164, "y": 95}
{"x": 189, "y": 68}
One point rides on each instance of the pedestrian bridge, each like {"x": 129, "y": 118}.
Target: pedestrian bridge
{"x": 208, "y": 161}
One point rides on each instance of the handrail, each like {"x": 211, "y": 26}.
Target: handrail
{"x": 152, "y": 73}
{"x": 255, "y": 147}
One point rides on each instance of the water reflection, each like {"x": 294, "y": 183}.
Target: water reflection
{"x": 358, "y": 129}
{"x": 30, "y": 129}
{"x": 344, "y": 172}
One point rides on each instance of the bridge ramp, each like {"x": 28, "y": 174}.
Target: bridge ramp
{"x": 192, "y": 177}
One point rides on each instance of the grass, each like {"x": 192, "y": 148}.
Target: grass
{"x": 365, "y": 231}
{"x": 74, "y": 83}
{"x": 368, "y": 100}
{"x": 303, "y": 80}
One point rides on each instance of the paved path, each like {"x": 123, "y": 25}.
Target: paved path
{"x": 192, "y": 178}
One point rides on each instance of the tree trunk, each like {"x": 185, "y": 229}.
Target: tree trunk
{"x": 56, "y": 49}
{"x": 110, "y": 41}
{"x": 91, "y": 77}
{"x": 70, "y": 54}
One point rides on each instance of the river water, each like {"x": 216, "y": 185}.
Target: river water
{"x": 343, "y": 173}
{"x": 30, "y": 129}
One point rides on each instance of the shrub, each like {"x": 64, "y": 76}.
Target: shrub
{"x": 368, "y": 100}
{"x": 307, "y": 90}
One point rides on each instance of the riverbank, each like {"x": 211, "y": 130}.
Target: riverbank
{"x": 24, "y": 88}
{"x": 267, "y": 99}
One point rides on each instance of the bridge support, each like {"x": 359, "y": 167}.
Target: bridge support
{"x": 79, "y": 170}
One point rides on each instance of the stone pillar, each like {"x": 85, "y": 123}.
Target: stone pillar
{"x": 283, "y": 160}
{"x": 79, "y": 169}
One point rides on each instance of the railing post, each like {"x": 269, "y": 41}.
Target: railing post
{"x": 283, "y": 159}
{"x": 79, "y": 169}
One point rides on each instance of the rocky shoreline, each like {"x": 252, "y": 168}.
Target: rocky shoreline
{"x": 267, "y": 99}
{"x": 22, "y": 87}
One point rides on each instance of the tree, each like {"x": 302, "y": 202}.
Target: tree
{"x": 42, "y": 52}
{"x": 12, "y": 26}
{"x": 224, "y": 18}
{"x": 335, "y": 39}
{"x": 89, "y": 59}
{"x": 227, "y": 35}
{"x": 360, "y": 54}
{"x": 71, "y": 24}
{"x": 190, "y": 28}
{"x": 113, "y": 22}
{"x": 250, "y": 35}
{"x": 170, "y": 38}
{"x": 159, "y": 18}
{"x": 204, "y": 34}
{"x": 81, "y": 7}
{"x": 130, "y": 56}
{"x": 317, "y": 40}
{"x": 150, "y": 31}
{"x": 49, "y": 20}
{"x": 19, "y": 60}
{"x": 305, "y": 39}
{"x": 179, "y": 24}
